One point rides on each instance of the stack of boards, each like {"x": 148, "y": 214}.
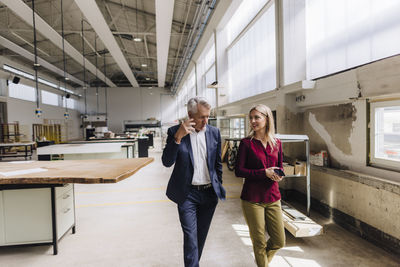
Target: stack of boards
{"x": 298, "y": 224}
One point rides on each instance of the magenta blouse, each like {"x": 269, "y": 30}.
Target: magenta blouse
{"x": 251, "y": 162}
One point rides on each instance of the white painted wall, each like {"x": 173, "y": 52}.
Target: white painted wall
{"x": 128, "y": 103}
{"x": 24, "y": 112}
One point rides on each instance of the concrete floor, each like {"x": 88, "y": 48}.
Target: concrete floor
{"x": 132, "y": 223}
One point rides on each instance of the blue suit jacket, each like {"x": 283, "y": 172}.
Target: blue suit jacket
{"x": 182, "y": 155}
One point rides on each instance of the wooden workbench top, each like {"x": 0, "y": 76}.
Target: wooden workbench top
{"x": 94, "y": 171}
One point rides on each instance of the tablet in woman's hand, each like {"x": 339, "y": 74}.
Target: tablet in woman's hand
{"x": 279, "y": 172}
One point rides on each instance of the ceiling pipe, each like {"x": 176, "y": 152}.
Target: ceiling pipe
{"x": 193, "y": 41}
{"x": 181, "y": 37}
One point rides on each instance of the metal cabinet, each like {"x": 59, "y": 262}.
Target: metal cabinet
{"x": 37, "y": 214}
{"x": 291, "y": 138}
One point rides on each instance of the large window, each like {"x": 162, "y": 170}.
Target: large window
{"x": 247, "y": 10}
{"x": 341, "y": 34}
{"x": 206, "y": 73}
{"x": 181, "y": 102}
{"x": 49, "y": 98}
{"x": 71, "y": 103}
{"x": 22, "y": 91}
{"x": 252, "y": 58}
{"x": 385, "y": 134}
{"x": 191, "y": 85}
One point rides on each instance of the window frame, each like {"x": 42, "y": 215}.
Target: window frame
{"x": 372, "y": 159}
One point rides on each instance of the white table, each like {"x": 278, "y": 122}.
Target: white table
{"x": 87, "y": 151}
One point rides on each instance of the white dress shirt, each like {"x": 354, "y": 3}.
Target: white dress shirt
{"x": 199, "y": 148}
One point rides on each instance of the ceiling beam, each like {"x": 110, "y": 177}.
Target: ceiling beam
{"x": 93, "y": 14}
{"x": 28, "y": 55}
{"x": 25, "y": 13}
{"x": 174, "y": 34}
{"x": 150, "y": 15}
{"x": 164, "y": 12}
{"x": 30, "y": 44}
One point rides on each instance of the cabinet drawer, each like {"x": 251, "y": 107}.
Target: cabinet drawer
{"x": 62, "y": 189}
{"x": 65, "y": 200}
{"x": 65, "y": 219}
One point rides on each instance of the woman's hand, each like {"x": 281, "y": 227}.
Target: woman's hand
{"x": 270, "y": 173}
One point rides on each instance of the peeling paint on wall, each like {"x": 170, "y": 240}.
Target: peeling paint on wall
{"x": 338, "y": 122}
{"x": 334, "y": 151}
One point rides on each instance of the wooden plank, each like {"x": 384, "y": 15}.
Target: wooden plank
{"x": 71, "y": 171}
{"x": 298, "y": 224}
{"x": 224, "y": 150}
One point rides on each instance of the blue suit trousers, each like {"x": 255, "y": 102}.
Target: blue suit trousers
{"x": 195, "y": 215}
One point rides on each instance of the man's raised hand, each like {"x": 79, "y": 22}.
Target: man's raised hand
{"x": 185, "y": 128}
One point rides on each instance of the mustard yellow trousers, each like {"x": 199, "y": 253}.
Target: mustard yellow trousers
{"x": 261, "y": 218}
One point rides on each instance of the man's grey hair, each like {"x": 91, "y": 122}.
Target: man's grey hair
{"x": 193, "y": 102}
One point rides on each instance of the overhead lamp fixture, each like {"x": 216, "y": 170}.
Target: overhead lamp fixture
{"x": 144, "y": 65}
{"x": 84, "y": 68}
{"x": 214, "y": 85}
{"x": 66, "y": 78}
{"x": 36, "y": 65}
{"x": 147, "y": 79}
{"x": 137, "y": 39}
{"x": 38, "y": 111}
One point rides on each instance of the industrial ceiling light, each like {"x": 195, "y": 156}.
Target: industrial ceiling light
{"x": 66, "y": 114}
{"x": 147, "y": 79}
{"x": 97, "y": 84}
{"x": 84, "y": 67}
{"x": 38, "y": 111}
{"x": 144, "y": 65}
{"x": 137, "y": 39}
{"x": 105, "y": 88}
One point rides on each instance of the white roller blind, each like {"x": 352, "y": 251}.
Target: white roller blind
{"x": 247, "y": 10}
{"x": 210, "y": 93}
{"x": 341, "y": 34}
{"x": 252, "y": 60}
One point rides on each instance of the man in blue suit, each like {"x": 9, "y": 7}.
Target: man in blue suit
{"x": 196, "y": 181}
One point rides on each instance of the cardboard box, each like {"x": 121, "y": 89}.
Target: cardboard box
{"x": 300, "y": 168}
{"x": 319, "y": 159}
{"x": 288, "y": 169}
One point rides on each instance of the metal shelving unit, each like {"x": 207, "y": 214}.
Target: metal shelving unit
{"x": 294, "y": 138}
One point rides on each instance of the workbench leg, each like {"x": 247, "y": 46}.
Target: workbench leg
{"x": 54, "y": 220}
{"x": 73, "y": 195}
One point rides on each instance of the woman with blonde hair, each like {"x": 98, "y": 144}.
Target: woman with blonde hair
{"x": 259, "y": 162}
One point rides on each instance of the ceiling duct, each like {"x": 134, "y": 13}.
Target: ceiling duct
{"x": 203, "y": 14}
